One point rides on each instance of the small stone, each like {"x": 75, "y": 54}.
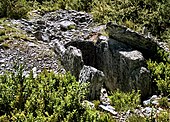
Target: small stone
{"x": 34, "y": 70}
{"x": 67, "y": 25}
{"x": 103, "y": 38}
{"x": 41, "y": 36}
{"x": 2, "y": 65}
{"x": 154, "y": 97}
{"x": 2, "y": 60}
{"x": 148, "y": 111}
{"x": 41, "y": 22}
{"x": 32, "y": 45}
{"x": 155, "y": 102}
{"x": 128, "y": 112}
{"x": 99, "y": 28}
{"x": 146, "y": 102}
{"x": 104, "y": 97}
{"x": 109, "y": 109}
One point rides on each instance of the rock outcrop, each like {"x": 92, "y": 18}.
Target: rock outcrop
{"x": 69, "y": 41}
{"x": 123, "y": 67}
{"x": 72, "y": 61}
{"x": 96, "y": 79}
{"x": 88, "y": 50}
{"x": 143, "y": 43}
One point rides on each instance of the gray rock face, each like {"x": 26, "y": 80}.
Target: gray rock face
{"x": 59, "y": 48}
{"x": 41, "y": 36}
{"x": 109, "y": 109}
{"x": 138, "y": 41}
{"x": 73, "y": 61}
{"x": 96, "y": 79}
{"x": 123, "y": 67}
{"x": 66, "y": 25}
{"x": 119, "y": 57}
{"x": 88, "y": 50}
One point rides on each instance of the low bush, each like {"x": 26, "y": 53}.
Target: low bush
{"x": 163, "y": 102}
{"x": 13, "y": 8}
{"x": 48, "y": 97}
{"x": 161, "y": 73}
{"x": 164, "y": 116}
{"x": 125, "y": 101}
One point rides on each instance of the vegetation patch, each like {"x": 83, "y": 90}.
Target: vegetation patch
{"x": 161, "y": 74}
{"x": 125, "y": 101}
{"x": 5, "y": 46}
{"x": 48, "y": 97}
{"x": 58, "y": 97}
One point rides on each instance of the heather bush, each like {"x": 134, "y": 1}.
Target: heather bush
{"x": 125, "y": 101}
{"x": 160, "y": 71}
{"x": 47, "y": 97}
{"x": 13, "y": 8}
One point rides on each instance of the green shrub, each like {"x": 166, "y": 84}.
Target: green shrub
{"x": 161, "y": 75}
{"x": 164, "y": 116}
{"x": 125, "y": 101}
{"x": 2, "y": 32}
{"x": 163, "y": 102}
{"x": 96, "y": 116}
{"x": 13, "y": 8}
{"x": 3, "y": 38}
{"x": 49, "y": 94}
{"x": 96, "y": 103}
{"x": 136, "y": 118}
{"x": 48, "y": 97}
{"x": 152, "y": 14}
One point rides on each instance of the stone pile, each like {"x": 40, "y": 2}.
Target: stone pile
{"x": 151, "y": 107}
{"x": 70, "y": 41}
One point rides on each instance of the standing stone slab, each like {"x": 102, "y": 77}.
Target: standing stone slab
{"x": 73, "y": 61}
{"x": 96, "y": 79}
{"x": 123, "y": 67}
{"x": 88, "y": 50}
{"x": 145, "y": 44}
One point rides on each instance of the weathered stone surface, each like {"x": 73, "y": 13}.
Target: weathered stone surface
{"x": 33, "y": 55}
{"x": 96, "y": 79}
{"x": 109, "y": 109}
{"x": 67, "y": 25}
{"x": 123, "y": 67}
{"x": 59, "y": 48}
{"x": 88, "y": 50}
{"x": 121, "y": 58}
{"x": 138, "y": 41}
{"x": 73, "y": 61}
{"x": 41, "y": 36}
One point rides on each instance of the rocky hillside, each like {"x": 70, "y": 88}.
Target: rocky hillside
{"x": 110, "y": 56}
